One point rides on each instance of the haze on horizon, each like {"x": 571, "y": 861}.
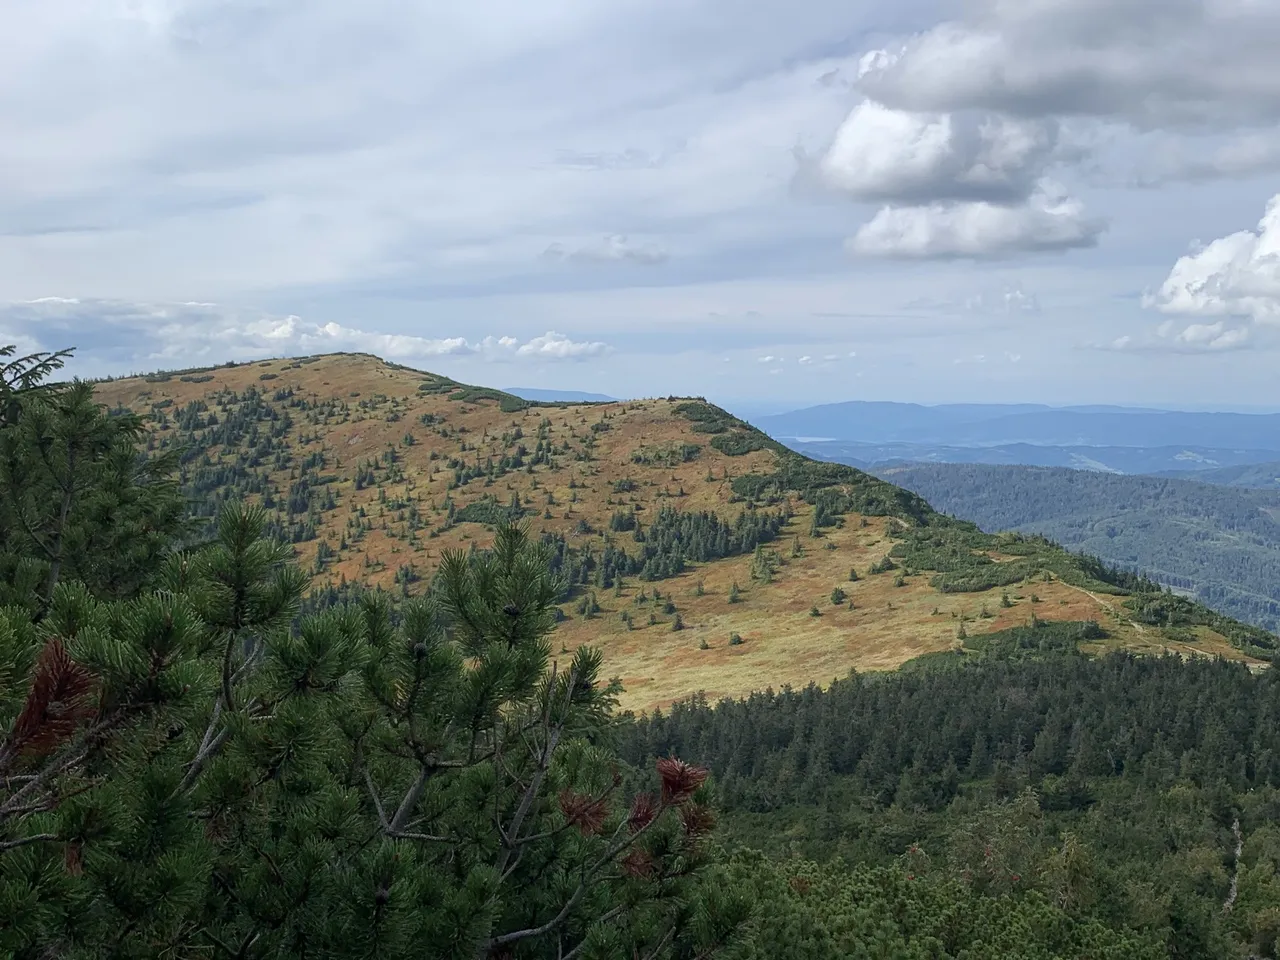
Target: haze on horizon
{"x": 1055, "y": 201}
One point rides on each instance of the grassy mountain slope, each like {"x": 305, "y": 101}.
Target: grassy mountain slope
{"x": 1222, "y": 543}
{"x": 373, "y": 469}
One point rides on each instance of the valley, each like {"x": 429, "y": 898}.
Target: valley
{"x": 1217, "y": 543}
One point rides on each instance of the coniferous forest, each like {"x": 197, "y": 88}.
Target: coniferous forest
{"x": 199, "y": 757}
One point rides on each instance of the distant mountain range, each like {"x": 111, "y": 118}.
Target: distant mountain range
{"x": 1104, "y": 438}
{"x": 968, "y": 425}
{"x": 1213, "y": 465}
{"x": 559, "y": 396}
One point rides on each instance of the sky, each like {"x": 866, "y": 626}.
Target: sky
{"x": 766, "y": 202}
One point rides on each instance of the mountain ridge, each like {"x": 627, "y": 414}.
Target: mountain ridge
{"x": 704, "y": 554}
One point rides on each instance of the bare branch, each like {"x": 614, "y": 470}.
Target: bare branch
{"x": 23, "y": 841}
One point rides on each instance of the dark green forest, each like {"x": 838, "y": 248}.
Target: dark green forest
{"x": 1137, "y": 794}
{"x": 201, "y": 757}
{"x": 1220, "y": 544}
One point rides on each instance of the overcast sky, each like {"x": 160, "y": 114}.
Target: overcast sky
{"x": 765, "y": 201}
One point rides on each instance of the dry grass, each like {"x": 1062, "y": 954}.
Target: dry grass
{"x": 782, "y": 643}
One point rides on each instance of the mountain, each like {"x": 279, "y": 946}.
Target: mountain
{"x": 977, "y": 425}
{"x": 703, "y": 554}
{"x": 1220, "y": 543}
{"x": 1260, "y": 476}
{"x": 1174, "y": 461}
{"x": 559, "y": 396}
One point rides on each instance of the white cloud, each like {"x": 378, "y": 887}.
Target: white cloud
{"x": 952, "y": 184}
{"x": 880, "y": 154}
{"x": 1204, "y": 159}
{"x": 1169, "y": 337}
{"x": 1234, "y": 276}
{"x": 549, "y": 346}
{"x": 1212, "y": 336}
{"x": 1049, "y": 221}
{"x": 1016, "y": 301}
{"x": 1173, "y": 63}
{"x": 615, "y": 248}
{"x": 805, "y": 360}
{"x": 179, "y": 334}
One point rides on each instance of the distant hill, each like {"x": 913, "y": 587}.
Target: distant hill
{"x": 1220, "y": 543}
{"x": 561, "y": 396}
{"x": 1185, "y": 461}
{"x": 965, "y": 425}
{"x": 1259, "y": 476}
{"x": 703, "y": 555}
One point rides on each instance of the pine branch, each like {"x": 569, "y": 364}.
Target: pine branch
{"x": 209, "y": 745}
{"x": 16, "y": 802}
{"x": 410, "y": 801}
{"x": 671, "y": 931}
{"x": 589, "y": 877}
{"x": 377, "y": 803}
{"x": 603, "y": 918}
{"x": 535, "y": 784}
{"x": 64, "y": 512}
{"x": 23, "y": 841}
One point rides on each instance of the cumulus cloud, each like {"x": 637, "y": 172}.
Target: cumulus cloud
{"x": 1175, "y": 63}
{"x": 962, "y": 184}
{"x": 885, "y": 155}
{"x": 1048, "y": 221}
{"x": 549, "y": 346}
{"x": 1234, "y": 276}
{"x": 1170, "y": 337}
{"x": 120, "y": 332}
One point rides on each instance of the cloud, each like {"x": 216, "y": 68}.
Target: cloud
{"x": 1169, "y": 337}
{"x": 549, "y": 346}
{"x": 612, "y": 248}
{"x": 1234, "y": 276}
{"x": 952, "y": 185}
{"x": 1012, "y": 299}
{"x": 1206, "y": 64}
{"x": 885, "y": 155}
{"x": 1201, "y": 160}
{"x": 179, "y": 334}
{"x": 1209, "y": 336}
{"x": 1049, "y": 221}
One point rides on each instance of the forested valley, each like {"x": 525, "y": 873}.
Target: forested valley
{"x": 199, "y": 758}
{"x": 1220, "y": 544}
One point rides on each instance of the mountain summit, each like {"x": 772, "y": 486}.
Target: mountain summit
{"x": 704, "y": 556}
